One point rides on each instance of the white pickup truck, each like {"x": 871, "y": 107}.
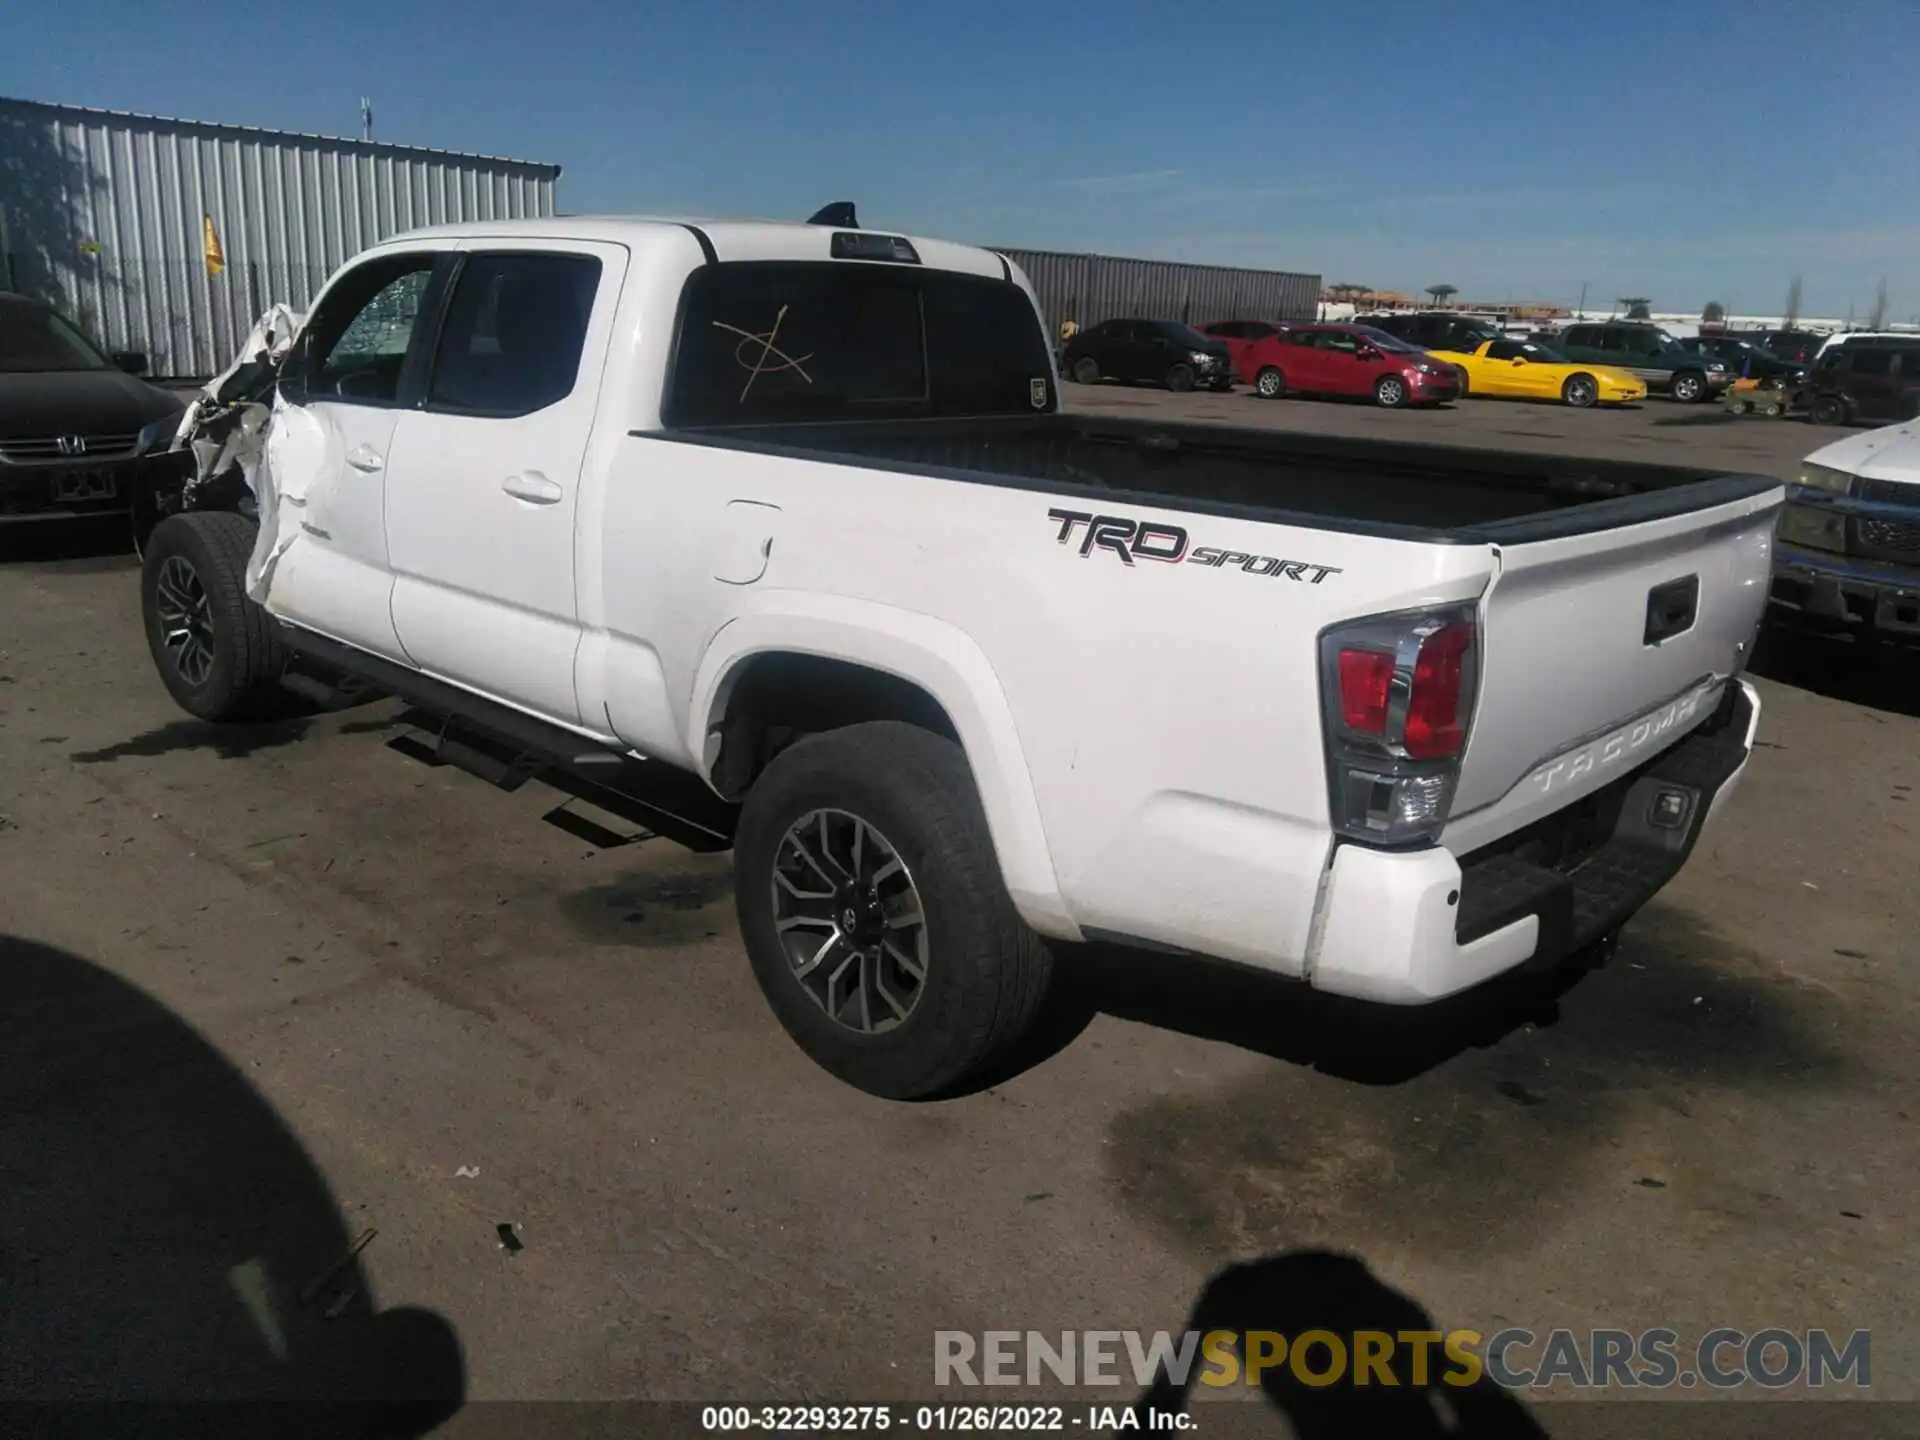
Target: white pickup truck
{"x": 793, "y": 509}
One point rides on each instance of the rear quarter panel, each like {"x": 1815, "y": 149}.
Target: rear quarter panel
{"x": 1163, "y": 717}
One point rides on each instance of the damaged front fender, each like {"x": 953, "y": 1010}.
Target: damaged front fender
{"x": 228, "y": 429}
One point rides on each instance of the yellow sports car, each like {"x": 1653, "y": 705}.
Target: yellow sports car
{"x": 1525, "y": 370}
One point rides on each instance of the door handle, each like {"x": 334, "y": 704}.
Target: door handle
{"x": 532, "y": 487}
{"x": 365, "y": 457}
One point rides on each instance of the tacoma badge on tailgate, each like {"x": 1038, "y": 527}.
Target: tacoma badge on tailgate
{"x": 1626, "y": 742}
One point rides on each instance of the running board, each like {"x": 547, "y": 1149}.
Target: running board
{"x": 507, "y": 747}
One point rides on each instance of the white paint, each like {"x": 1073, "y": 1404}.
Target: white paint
{"x": 1146, "y": 738}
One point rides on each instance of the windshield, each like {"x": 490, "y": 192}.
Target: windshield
{"x": 33, "y": 340}
{"x": 1381, "y": 340}
{"x": 1543, "y": 354}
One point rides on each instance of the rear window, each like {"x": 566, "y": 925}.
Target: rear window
{"x": 779, "y": 341}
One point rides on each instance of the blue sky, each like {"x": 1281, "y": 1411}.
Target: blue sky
{"x": 1689, "y": 152}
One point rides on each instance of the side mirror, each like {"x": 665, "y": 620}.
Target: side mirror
{"x": 134, "y": 362}
{"x": 1519, "y": 359}
{"x": 1367, "y": 352}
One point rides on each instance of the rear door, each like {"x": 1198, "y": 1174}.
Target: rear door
{"x": 484, "y": 478}
{"x": 1303, "y": 362}
{"x": 1120, "y": 352}
{"x": 1600, "y": 650}
{"x": 1906, "y": 404}
{"x": 1870, "y": 381}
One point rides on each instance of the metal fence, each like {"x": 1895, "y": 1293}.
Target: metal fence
{"x": 1090, "y": 288}
{"x": 103, "y": 215}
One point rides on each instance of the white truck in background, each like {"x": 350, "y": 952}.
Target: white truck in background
{"x": 788, "y": 516}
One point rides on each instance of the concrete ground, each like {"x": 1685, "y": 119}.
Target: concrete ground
{"x": 265, "y": 990}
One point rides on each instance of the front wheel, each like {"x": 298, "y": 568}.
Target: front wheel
{"x": 1580, "y": 391}
{"x": 214, "y": 648}
{"x": 1689, "y": 387}
{"x": 1086, "y": 371}
{"x": 874, "y": 913}
{"x": 1390, "y": 391}
{"x": 1180, "y": 379}
{"x": 1270, "y": 383}
{"x": 1828, "y": 410}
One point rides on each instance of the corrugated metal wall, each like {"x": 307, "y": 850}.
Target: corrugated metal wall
{"x": 1092, "y": 288}
{"x": 101, "y": 214}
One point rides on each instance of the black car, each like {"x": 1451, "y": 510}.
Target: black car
{"x": 1796, "y": 347}
{"x": 1164, "y": 352}
{"x": 1436, "y": 330}
{"x": 78, "y": 430}
{"x": 1744, "y": 357}
{"x": 1872, "y": 378}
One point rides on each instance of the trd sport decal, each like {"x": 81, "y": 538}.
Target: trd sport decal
{"x": 1154, "y": 540}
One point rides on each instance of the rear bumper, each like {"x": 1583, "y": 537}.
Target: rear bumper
{"x": 1411, "y": 927}
{"x": 1849, "y": 596}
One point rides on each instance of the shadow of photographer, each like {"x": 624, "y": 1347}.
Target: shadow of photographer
{"x": 1303, "y": 1291}
{"x": 170, "y": 1257}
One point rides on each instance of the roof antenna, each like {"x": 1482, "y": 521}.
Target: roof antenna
{"x": 840, "y": 213}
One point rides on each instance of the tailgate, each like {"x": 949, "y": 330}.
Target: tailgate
{"x": 1600, "y": 650}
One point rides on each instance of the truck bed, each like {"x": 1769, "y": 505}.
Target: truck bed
{"x": 1389, "y": 488}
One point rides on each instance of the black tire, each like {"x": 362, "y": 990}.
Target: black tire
{"x": 1180, "y": 379}
{"x": 1270, "y": 383}
{"x": 1581, "y": 391}
{"x": 1828, "y": 410}
{"x": 201, "y": 558}
{"x": 1391, "y": 392}
{"x": 986, "y": 974}
{"x": 1689, "y": 387}
{"x": 1464, "y": 384}
{"x": 1086, "y": 371}
{"x": 1774, "y": 409}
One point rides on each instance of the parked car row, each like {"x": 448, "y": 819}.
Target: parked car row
{"x": 1396, "y": 360}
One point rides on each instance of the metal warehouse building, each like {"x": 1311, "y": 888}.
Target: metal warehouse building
{"x": 104, "y": 214}
{"x": 1092, "y": 288}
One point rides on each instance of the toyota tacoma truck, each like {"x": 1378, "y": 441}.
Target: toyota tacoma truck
{"x": 785, "y": 522}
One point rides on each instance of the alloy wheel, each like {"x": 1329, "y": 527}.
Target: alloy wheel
{"x": 850, "y": 919}
{"x": 186, "y": 619}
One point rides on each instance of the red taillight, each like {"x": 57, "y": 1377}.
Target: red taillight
{"x": 1397, "y": 693}
{"x": 1366, "y": 676}
{"x": 1435, "y": 727}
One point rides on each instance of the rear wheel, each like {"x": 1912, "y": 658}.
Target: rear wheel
{"x": 875, "y": 916}
{"x": 1086, "y": 371}
{"x": 1828, "y": 410}
{"x": 1390, "y": 391}
{"x": 1689, "y": 386}
{"x": 1180, "y": 379}
{"x": 1270, "y": 383}
{"x": 1580, "y": 391}
{"x": 214, "y": 648}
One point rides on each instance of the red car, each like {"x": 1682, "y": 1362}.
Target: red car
{"x": 1354, "y": 360}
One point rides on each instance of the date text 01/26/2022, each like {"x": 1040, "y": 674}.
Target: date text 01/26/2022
{"x": 940, "y": 1419}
